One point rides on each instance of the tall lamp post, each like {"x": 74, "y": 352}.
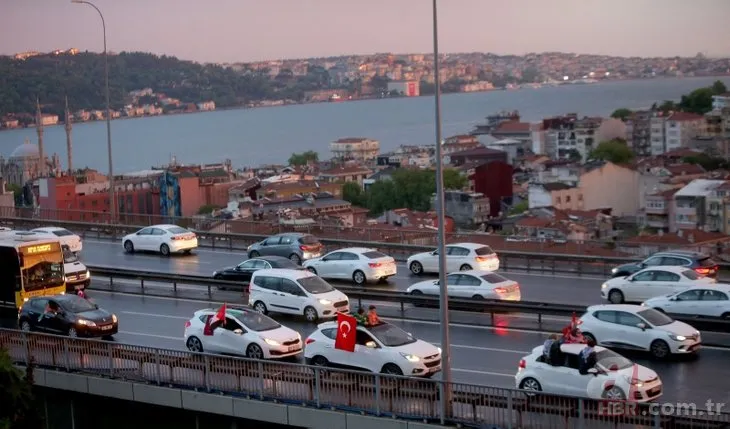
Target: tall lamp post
{"x": 112, "y": 200}
{"x": 441, "y": 220}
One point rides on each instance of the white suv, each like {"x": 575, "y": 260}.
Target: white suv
{"x": 635, "y": 327}
{"x": 383, "y": 348}
{"x": 295, "y": 292}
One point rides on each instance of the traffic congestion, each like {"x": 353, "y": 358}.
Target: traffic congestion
{"x": 293, "y": 310}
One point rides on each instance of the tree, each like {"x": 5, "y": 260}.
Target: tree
{"x": 698, "y": 101}
{"x": 667, "y": 106}
{"x": 19, "y": 410}
{"x": 718, "y": 88}
{"x": 353, "y": 193}
{"x": 707, "y": 162}
{"x": 206, "y": 209}
{"x": 616, "y": 151}
{"x": 303, "y": 158}
{"x": 520, "y": 207}
{"x": 621, "y": 113}
{"x": 453, "y": 179}
{"x": 574, "y": 155}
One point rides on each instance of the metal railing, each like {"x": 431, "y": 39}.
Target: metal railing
{"x": 350, "y": 391}
{"x": 489, "y": 307}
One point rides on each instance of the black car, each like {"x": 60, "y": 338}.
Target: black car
{"x": 701, "y": 263}
{"x": 243, "y": 271}
{"x": 67, "y": 315}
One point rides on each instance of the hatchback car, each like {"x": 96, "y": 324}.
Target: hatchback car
{"x": 699, "y": 262}
{"x": 293, "y": 245}
{"x": 358, "y": 264}
{"x": 651, "y": 282}
{"x": 165, "y": 239}
{"x": 613, "y": 378}
{"x": 244, "y": 333}
{"x": 474, "y": 284}
{"x": 459, "y": 257}
{"x": 383, "y": 348}
{"x": 67, "y": 315}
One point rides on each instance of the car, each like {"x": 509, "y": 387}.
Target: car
{"x": 634, "y": 327}
{"x": 475, "y": 284}
{"x": 651, "y": 282}
{"x": 358, "y": 264}
{"x": 245, "y": 333}
{"x": 384, "y": 348}
{"x": 165, "y": 239}
{"x": 293, "y": 245}
{"x": 613, "y": 378}
{"x": 697, "y": 301}
{"x": 78, "y": 276}
{"x": 66, "y": 237}
{"x": 297, "y": 292}
{"x": 459, "y": 257}
{"x": 243, "y": 271}
{"x": 703, "y": 264}
{"x": 67, "y": 315}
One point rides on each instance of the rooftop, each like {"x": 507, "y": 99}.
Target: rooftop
{"x": 699, "y": 188}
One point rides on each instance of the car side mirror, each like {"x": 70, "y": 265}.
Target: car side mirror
{"x": 641, "y": 326}
{"x": 435, "y": 252}
{"x": 674, "y": 298}
{"x": 238, "y": 331}
{"x": 371, "y": 345}
{"x": 593, "y": 371}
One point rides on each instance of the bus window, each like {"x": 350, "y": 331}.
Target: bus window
{"x": 42, "y": 274}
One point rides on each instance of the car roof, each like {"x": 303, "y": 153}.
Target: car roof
{"x": 678, "y": 269}
{"x": 479, "y": 273}
{"x": 61, "y": 297}
{"x": 358, "y": 250}
{"x": 722, "y": 287}
{"x": 687, "y": 253}
{"x": 469, "y": 245}
{"x": 284, "y": 272}
{"x": 290, "y": 234}
{"x": 233, "y": 311}
{"x": 616, "y": 307}
{"x": 575, "y": 348}
{"x": 270, "y": 258}
{"x": 333, "y": 324}
{"x": 49, "y": 228}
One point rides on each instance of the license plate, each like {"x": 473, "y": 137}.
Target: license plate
{"x": 293, "y": 348}
{"x": 106, "y": 328}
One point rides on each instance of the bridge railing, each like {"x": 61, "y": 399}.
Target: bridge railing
{"x": 368, "y": 393}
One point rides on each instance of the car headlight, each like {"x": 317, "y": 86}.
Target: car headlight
{"x": 114, "y": 318}
{"x": 65, "y": 279}
{"x": 677, "y": 337}
{"x": 633, "y": 381}
{"x": 271, "y": 342}
{"x": 325, "y": 301}
{"x": 88, "y": 274}
{"x": 614, "y": 270}
{"x": 643, "y": 304}
{"x": 604, "y": 286}
{"x": 439, "y": 349}
{"x": 85, "y": 322}
{"x": 249, "y": 247}
{"x": 215, "y": 273}
{"x": 411, "y": 358}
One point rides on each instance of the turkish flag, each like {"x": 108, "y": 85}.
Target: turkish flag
{"x": 215, "y": 321}
{"x": 346, "y": 329}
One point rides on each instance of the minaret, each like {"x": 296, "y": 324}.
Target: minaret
{"x": 39, "y": 130}
{"x": 68, "y": 126}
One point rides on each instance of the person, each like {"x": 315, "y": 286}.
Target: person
{"x": 553, "y": 338}
{"x": 587, "y": 357}
{"x": 82, "y": 294}
{"x": 373, "y": 319}
{"x": 51, "y": 310}
{"x": 551, "y": 351}
{"x": 362, "y": 319}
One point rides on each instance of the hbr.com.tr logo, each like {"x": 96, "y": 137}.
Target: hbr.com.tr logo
{"x": 630, "y": 408}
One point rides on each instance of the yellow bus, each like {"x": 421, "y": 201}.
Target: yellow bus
{"x": 31, "y": 266}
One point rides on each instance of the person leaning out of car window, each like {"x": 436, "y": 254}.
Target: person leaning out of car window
{"x": 587, "y": 357}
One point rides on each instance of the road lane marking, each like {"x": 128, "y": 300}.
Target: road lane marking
{"x": 166, "y": 337}
{"x": 164, "y": 316}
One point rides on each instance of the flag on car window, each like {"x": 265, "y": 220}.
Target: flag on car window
{"x": 215, "y": 320}
{"x": 346, "y": 332}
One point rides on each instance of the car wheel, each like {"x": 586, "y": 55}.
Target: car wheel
{"x": 391, "y": 369}
{"x": 529, "y": 383}
{"x": 417, "y": 293}
{"x": 25, "y": 326}
{"x": 477, "y": 297}
{"x": 188, "y": 251}
{"x": 72, "y": 332}
{"x": 254, "y": 351}
{"x": 659, "y": 349}
{"x": 219, "y": 277}
{"x": 253, "y": 254}
{"x": 194, "y": 345}
{"x": 359, "y": 277}
{"x": 295, "y": 258}
{"x": 416, "y": 268}
{"x": 588, "y": 337}
{"x": 165, "y": 250}
{"x": 312, "y": 270}
{"x": 616, "y": 296}
{"x": 465, "y": 267}
{"x": 320, "y": 361}
{"x": 260, "y": 307}
{"x": 129, "y": 246}
{"x": 614, "y": 394}
{"x": 310, "y": 313}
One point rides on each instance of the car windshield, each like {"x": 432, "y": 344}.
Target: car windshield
{"x": 391, "y": 335}
{"x": 315, "y": 285}
{"x": 255, "y": 321}
{"x": 612, "y": 361}
{"x": 484, "y": 251}
{"x": 690, "y": 274}
{"x": 494, "y": 278}
{"x": 69, "y": 257}
{"x": 655, "y": 317}
{"x": 62, "y": 232}
{"x": 374, "y": 255}
{"x": 309, "y": 240}
{"x": 76, "y": 304}
{"x": 177, "y": 230}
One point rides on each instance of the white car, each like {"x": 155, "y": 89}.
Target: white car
{"x": 613, "y": 378}
{"x": 358, "y": 264}
{"x": 476, "y": 284}
{"x": 165, "y": 239}
{"x": 384, "y": 348}
{"x": 459, "y": 257}
{"x": 66, "y": 237}
{"x": 634, "y": 327}
{"x": 245, "y": 333}
{"x": 297, "y": 292}
{"x": 651, "y": 282}
{"x": 78, "y": 276}
{"x": 697, "y": 301}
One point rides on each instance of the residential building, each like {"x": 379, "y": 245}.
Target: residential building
{"x": 657, "y": 134}
{"x": 411, "y": 88}
{"x": 384, "y": 174}
{"x": 355, "y": 149}
{"x": 638, "y": 132}
{"x": 284, "y": 190}
{"x": 49, "y": 119}
{"x": 675, "y": 131}
{"x": 459, "y": 143}
{"x": 513, "y": 148}
{"x": 718, "y": 123}
{"x": 659, "y": 210}
{"x": 494, "y": 180}
{"x": 698, "y": 206}
{"x": 569, "y": 137}
{"x": 467, "y": 209}
{"x": 206, "y": 106}
{"x": 345, "y": 173}
{"x": 481, "y": 154}
{"x": 493, "y": 122}
{"x": 541, "y": 194}
{"x": 557, "y": 171}
{"x": 9, "y": 123}
{"x": 721, "y": 101}
{"x": 7, "y": 197}
{"x": 549, "y": 223}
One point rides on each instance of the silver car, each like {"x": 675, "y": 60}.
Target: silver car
{"x": 293, "y": 245}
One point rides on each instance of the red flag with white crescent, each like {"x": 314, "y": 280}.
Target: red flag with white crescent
{"x": 346, "y": 331}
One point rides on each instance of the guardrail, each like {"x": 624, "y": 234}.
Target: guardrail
{"x": 587, "y": 264}
{"x": 350, "y": 391}
{"x": 491, "y": 307}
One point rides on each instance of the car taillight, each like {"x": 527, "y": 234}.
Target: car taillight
{"x": 500, "y": 290}
{"x": 375, "y": 264}
{"x": 309, "y": 341}
{"x": 187, "y": 324}
{"x": 306, "y": 248}
{"x": 522, "y": 364}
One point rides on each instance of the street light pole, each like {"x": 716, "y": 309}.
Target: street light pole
{"x": 112, "y": 200}
{"x": 441, "y": 220}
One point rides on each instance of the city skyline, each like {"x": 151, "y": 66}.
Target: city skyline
{"x": 306, "y": 28}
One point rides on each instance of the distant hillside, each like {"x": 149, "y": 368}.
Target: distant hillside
{"x": 81, "y": 78}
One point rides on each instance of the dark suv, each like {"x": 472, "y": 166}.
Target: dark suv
{"x": 701, "y": 263}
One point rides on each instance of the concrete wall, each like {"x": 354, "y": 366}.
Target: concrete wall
{"x": 218, "y": 404}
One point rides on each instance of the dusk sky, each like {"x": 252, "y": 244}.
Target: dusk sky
{"x": 252, "y": 30}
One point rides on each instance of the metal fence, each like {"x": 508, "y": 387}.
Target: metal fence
{"x": 374, "y": 394}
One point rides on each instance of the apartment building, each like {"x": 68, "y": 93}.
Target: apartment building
{"x": 567, "y": 135}
{"x": 659, "y": 210}
{"x": 717, "y": 123}
{"x": 467, "y": 209}
{"x": 675, "y": 131}
{"x": 699, "y": 206}
{"x": 355, "y": 148}
{"x": 721, "y": 101}
{"x": 638, "y": 132}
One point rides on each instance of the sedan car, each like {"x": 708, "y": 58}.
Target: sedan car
{"x": 459, "y": 257}
{"x": 696, "y": 301}
{"x": 67, "y": 315}
{"x": 384, "y": 348}
{"x": 243, "y": 271}
{"x": 651, "y": 282}
{"x": 634, "y": 327}
{"x": 165, "y": 239}
{"x": 475, "y": 284}
{"x": 354, "y": 263}
{"x": 613, "y": 378}
{"x": 293, "y": 245}
{"x": 700, "y": 262}
{"x": 66, "y": 237}
{"x": 245, "y": 333}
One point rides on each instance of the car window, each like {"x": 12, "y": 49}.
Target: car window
{"x": 145, "y": 231}
{"x": 260, "y": 265}
{"x": 76, "y": 304}
{"x": 713, "y": 295}
{"x": 493, "y": 278}
{"x": 231, "y": 325}
{"x": 256, "y": 321}
{"x": 654, "y": 261}
{"x": 655, "y": 317}
{"x": 674, "y": 261}
{"x": 204, "y": 318}
{"x": 288, "y": 286}
{"x": 62, "y": 232}
{"x": 272, "y": 241}
{"x": 665, "y": 276}
{"x": 309, "y": 240}
{"x": 644, "y": 276}
{"x": 457, "y": 251}
{"x": 158, "y": 231}
{"x": 627, "y": 319}
{"x": 334, "y": 256}
{"x": 315, "y": 285}
{"x": 690, "y": 295}
{"x": 467, "y": 280}
{"x": 706, "y": 262}
{"x": 330, "y": 333}
{"x": 572, "y": 361}
{"x": 286, "y": 240}
{"x": 347, "y": 256}
{"x": 39, "y": 304}
{"x": 391, "y": 335}
{"x": 268, "y": 282}
{"x": 247, "y": 265}
{"x": 484, "y": 251}
{"x": 177, "y": 230}
{"x": 453, "y": 279}
{"x": 374, "y": 255}
{"x": 605, "y": 316}
{"x": 612, "y": 361}
{"x": 691, "y": 275}
{"x": 362, "y": 337}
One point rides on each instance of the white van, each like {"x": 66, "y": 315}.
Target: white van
{"x": 77, "y": 275}
{"x": 295, "y": 292}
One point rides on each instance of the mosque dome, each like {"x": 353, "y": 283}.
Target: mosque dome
{"x": 26, "y": 150}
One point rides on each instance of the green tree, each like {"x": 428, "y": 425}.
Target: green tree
{"x": 353, "y": 193}
{"x": 616, "y": 151}
{"x": 206, "y": 209}
{"x": 698, "y": 101}
{"x": 453, "y": 179}
{"x": 574, "y": 155}
{"x": 621, "y": 113}
{"x": 303, "y": 158}
{"x": 719, "y": 88}
{"x": 19, "y": 410}
{"x": 707, "y": 162}
{"x": 520, "y": 207}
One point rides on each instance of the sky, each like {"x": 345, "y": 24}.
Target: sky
{"x": 256, "y": 30}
